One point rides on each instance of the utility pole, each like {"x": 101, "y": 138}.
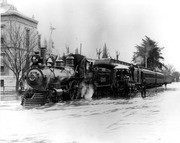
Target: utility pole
{"x": 80, "y": 48}
{"x": 67, "y": 49}
{"x": 117, "y": 55}
{"x": 50, "y": 39}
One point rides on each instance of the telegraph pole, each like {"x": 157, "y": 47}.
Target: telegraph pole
{"x": 80, "y": 48}
{"x": 50, "y": 39}
{"x": 117, "y": 55}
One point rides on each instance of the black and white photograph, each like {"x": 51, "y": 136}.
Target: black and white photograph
{"x": 90, "y": 71}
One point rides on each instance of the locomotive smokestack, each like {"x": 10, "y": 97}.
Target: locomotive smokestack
{"x": 43, "y": 55}
{"x": 39, "y": 41}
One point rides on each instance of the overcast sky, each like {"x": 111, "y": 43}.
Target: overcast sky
{"x": 121, "y": 24}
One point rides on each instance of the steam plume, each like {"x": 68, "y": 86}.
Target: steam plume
{"x": 87, "y": 91}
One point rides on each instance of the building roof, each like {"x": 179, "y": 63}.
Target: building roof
{"x": 18, "y": 14}
{"x": 7, "y": 10}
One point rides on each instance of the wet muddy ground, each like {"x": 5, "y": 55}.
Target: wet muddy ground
{"x": 154, "y": 119}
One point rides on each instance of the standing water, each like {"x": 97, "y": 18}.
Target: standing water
{"x": 154, "y": 119}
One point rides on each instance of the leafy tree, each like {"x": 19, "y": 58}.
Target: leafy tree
{"x": 17, "y": 46}
{"x": 105, "y": 52}
{"x": 148, "y": 54}
{"x": 176, "y": 75}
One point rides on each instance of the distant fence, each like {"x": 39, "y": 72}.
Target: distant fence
{"x": 7, "y": 89}
{"x": 8, "y": 93}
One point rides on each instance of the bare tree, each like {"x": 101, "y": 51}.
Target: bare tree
{"x": 67, "y": 49}
{"x": 45, "y": 43}
{"x": 98, "y": 52}
{"x": 17, "y": 45}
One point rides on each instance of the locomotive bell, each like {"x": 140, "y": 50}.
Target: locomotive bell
{"x": 49, "y": 62}
{"x": 70, "y": 61}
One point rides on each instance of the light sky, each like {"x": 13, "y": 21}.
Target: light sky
{"x": 121, "y": 24}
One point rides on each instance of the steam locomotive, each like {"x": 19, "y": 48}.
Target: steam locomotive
{"x": 56, "y": 80}
{"x": 50, "y": 80}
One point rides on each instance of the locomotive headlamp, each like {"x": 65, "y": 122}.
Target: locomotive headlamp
{"x": 34, "y": 59}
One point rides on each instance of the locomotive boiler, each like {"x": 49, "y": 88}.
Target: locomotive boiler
{"x": 53, "y": 80}
{"x": 41, "y": 79}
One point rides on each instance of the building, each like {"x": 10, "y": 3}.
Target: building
{"x": 13, "y": 22}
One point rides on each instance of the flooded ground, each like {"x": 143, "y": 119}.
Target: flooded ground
{"x": 155, "y": 119}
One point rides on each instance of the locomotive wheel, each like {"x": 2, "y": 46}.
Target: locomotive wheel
{"x": 53, "y": 96}
{"x": 74, "y": 90}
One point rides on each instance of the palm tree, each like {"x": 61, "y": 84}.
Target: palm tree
{"x": 154, "y": 58}
{"x": 148, "y": 54}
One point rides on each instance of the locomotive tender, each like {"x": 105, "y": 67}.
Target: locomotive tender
{"x": 57, "y": 80}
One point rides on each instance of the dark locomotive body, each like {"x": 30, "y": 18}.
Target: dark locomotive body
{"x": 56, "y": 81}
{"x": 61, "y": 80}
